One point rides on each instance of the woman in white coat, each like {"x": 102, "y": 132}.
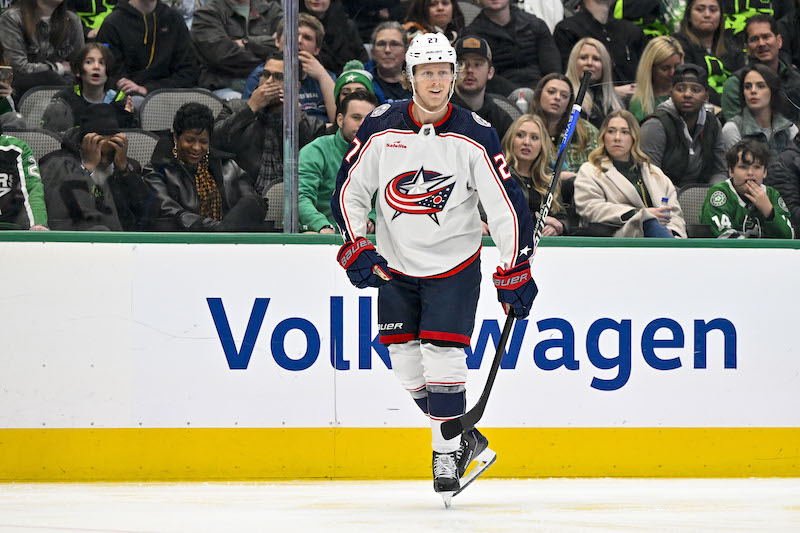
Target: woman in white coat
{"x": 619, "y": 190}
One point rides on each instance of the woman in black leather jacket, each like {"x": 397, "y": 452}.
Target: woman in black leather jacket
{"x": 197, "y": 187}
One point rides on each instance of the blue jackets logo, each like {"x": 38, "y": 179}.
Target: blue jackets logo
{"x": 554, "y": 350}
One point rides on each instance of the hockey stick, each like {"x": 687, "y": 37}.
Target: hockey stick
{"x": 457, "y": 426}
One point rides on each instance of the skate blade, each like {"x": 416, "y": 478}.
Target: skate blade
{"x": 447, "y": 498}
{"x": 484, "y": 460}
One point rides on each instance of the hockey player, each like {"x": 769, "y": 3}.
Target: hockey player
{"x": 430, "y": 162}
{"x": 742, "y": 206}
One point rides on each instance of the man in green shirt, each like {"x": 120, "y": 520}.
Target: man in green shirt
{"x": 22, "y": 204}
{"x": 319, "y": 162}
{"x": 742, "y": 206}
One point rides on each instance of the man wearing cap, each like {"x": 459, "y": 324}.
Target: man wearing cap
{"x": 319, "y": 162}
{"x": 682, "y": 137}
{"x": 90, "y": 184}
{"x": 476, "y": 57}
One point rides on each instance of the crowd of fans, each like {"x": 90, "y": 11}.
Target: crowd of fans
{"x": 682, "y": 92}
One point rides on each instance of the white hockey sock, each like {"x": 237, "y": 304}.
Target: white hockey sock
{"x": 438, "y": 442}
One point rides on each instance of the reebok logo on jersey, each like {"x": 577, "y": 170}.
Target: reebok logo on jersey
{"x": 419, "y": 192}
{"x": 396, "y": 144}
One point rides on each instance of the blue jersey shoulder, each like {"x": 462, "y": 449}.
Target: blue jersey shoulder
{"x": 383, "y": 117}
{"x": 468, "y": 123}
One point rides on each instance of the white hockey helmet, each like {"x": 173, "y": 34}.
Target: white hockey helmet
{"x": 429, "y": 48}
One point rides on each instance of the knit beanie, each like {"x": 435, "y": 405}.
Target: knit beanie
{"x": 353, "y": 72}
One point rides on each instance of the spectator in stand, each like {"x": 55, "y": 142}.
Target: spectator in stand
{"x": 523, "y": 49}
{"x": 784, "y": 175}
{"x": 232, "y": 37}
{"x": 470, "y": 93}
{"x": 186, "y": 8}
{"x": 354, "y": 78}
{"x": 434, "y": 16}
{"x": 23, "y": 205}
{"x": 550, "y": 11}
{"x": 151, "y": 46}
{"x": 654, "y": 75}
{"x": 319, "y": 162}
{"x": 590, "y": 55}
{"x": 196, "y": 187}
{"x": 738, "y": 12}
{"x": 342, "y": 42}
{"x": 763, "y": 46}
{"x": 389, "y": 45}
{"x": 682, "y": 137}
{"x": 705, "y": 42}
{"x": 621, "y": 190}
{"x": 253, "y": 129}
{"x": 91, "y": 184}
{"x": 9, "y": 117}
{"x": 92, "y": 14}
{"x": 316, "y": 84}
{"x": 742, "y": 206}
{"x": 553, "y": 100}
{"x": 530, "y": 153}
{"x": 623, "y": 38}
{"x": 789, "y": 30}
{"x": 91, "y": 66}
{"x": 39, "y": 38}
{"x": 761, "y": 117}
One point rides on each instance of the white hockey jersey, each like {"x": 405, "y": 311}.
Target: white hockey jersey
{"x": 429, "y": 179}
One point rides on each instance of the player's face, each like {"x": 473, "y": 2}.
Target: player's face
{"x": 762, "y": 43}
{"x": 357, "y": 111}
{"x": 307, "y": 40}
{"x": 192, "y": 145}
{"x": 432, "y": 84}
{"x": 618, "y": 139}
{"x": 475, "y": 74}
{"x": 589, "y": 60}
{"x": 94, "y": 69}
{"x": 555, "y": 98}
{"x": 757, "y": 93}
{"x": 527, "y": 144}
{"x": 389, "y": 51}
{"x": 705, "y": 16}
{"x": 662, "y": 72}
{"x": 440, "y": 13}
{"x": 744, "y": 171}
{"x": 688, "y": 97}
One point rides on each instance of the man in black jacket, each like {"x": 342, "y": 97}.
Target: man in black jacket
{"x": 151, "y": 47}
{"x": 252, "y": 130}
{"x": 784, "y": 175}
{"x": 522, "y": 47}
{"x": 623, "y": 39}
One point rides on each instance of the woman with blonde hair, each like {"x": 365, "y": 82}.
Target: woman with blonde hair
{"x": 530, "y": 154}
{"x": 654, "y": 75}
{"x": 619, "y": 193}
{"x": 591, "y": 55}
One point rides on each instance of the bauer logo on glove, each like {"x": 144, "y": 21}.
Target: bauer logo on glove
{"x": 364, "y": 265}
{"x": 516, "y": 289}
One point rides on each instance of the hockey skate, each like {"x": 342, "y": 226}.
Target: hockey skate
{"x": 474, "y": 448}
{"x": 445, "y": 474}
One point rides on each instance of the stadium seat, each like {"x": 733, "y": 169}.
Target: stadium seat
{"x": 159, "y": 107}
{"x": 691, "y": 197}
{"x": 274, "y": 195}
{"x": 469, "y": 10}
{"x": 34, "y": 102}
{"x": 42, "y": 142}
{"x": 141, "y": 144}
{"x": 512, "y": 110}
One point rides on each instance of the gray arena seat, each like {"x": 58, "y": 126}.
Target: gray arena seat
{"x": 274, "y": 195}
{"x": 159, "y": 107}
{"x": 42, "y": 142}
{"x": 141, "y": 144}
{"x": 691, "y": 197}
{"x": 33, "y": 103}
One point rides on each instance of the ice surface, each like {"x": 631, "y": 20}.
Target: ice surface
{"x": 496, "y": 505}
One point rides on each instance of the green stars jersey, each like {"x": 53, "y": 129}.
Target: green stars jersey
{"x": 731, "y": 217}
{"x": 22, "y": 202}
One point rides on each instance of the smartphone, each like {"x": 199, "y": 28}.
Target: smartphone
{"x": 5, "y": 73}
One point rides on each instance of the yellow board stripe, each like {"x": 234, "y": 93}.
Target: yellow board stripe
{"x": 399, "y": 453}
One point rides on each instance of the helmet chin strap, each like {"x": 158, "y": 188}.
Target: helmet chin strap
{"x": 449, "y": 96}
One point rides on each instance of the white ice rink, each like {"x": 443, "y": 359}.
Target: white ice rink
{"x": 552, "y": 505}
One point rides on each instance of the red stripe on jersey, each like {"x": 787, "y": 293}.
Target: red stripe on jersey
{"x": 442, "y": 336}
{"x": 455, "y": 270}
{"x": 502, "y": 189}
{"x": 394, "y": 339}
{"x": 350, "y": 173}
{"x": 442, "y": 419}
{"x": 446, "y": 116}
{"x": 446, "y": 382}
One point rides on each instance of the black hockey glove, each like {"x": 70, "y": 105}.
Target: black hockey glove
{"x": 516, "y": 289}
{"x": 364, "y": 265}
